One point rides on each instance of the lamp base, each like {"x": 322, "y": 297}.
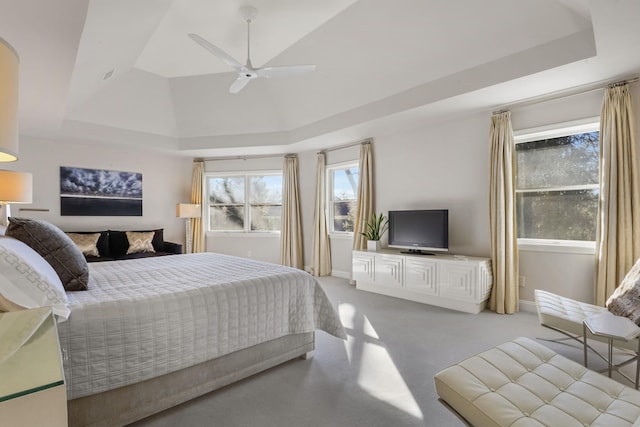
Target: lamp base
{"x": 188, "y": 237}
{"x": 5, "y": 213}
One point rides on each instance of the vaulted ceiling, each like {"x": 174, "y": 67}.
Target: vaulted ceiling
{"x": 125, "y": 72}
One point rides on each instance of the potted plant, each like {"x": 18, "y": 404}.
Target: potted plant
{"x": 375, "y": 227}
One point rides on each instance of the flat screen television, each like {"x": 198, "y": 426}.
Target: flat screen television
{"x": 419, "y": 230}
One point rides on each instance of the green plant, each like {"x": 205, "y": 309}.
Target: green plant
{"x": 375, "y": 227}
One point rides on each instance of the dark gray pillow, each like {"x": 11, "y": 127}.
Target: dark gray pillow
{"x": 55, "y": 247}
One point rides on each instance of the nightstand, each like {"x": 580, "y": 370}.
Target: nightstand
{"x": 612, "y": 327}
{"x": 32, "y": 389}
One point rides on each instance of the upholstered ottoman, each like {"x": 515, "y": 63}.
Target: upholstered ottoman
{"x": 523, "y": 383}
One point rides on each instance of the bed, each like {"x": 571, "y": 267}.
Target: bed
{"x": 140, "y": 336}
{"x": 152, "y": 333}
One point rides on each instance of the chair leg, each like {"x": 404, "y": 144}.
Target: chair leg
{"x": 456, "y": 413}
{"x": 578, "y": 339}
{"x": 567, "y": 337}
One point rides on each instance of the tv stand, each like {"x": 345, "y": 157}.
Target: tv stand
{"x": 457, "y": 282}
{"x": 417, "y": 252}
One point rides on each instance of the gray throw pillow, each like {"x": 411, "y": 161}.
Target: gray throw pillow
{"x": 625, "y": 300}
{"x": 56, "y": 248}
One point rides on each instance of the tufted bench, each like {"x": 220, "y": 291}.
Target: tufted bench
{"x": 523, "y": 383}
{"x": 566, "y": 316}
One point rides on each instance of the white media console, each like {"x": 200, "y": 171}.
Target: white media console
{"x": 456, "y": 282}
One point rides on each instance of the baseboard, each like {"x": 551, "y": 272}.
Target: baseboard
{"x": 334, "y": 273}
{"x": 341, "y": 274}
{"x": 528, "y": 306}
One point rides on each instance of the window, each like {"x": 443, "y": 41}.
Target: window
{"x": 245, "y": 202}
{"x": 557, "y": 184}
{"x": 342, "y": 192}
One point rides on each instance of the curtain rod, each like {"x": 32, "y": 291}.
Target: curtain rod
{"x": 565, "y": 94}
{"x": 247, "y": 157}
{"x": 342, "y": 147}
{"x": 623, "y": 82}
{"x": 267, "y": 156}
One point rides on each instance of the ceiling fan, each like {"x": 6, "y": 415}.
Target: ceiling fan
{"x": 247, "y": 72}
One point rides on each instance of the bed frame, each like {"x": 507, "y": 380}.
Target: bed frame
{"x": 124, "y": 405}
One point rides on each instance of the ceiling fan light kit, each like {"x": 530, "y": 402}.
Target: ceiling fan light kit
{"x": 248, "y": 12}
{"x": 247, "y": 72}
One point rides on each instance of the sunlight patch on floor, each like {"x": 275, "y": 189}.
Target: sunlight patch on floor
{"x": 347, "y": 314}
{"x": 378, "y": 375}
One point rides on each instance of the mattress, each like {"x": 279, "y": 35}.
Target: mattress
{"x": 148, "y": 317}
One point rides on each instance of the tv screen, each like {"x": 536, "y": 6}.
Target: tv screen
{"x": 419, "y": 230}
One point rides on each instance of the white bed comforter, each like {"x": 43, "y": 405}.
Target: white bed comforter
{"x": 148, "y": 317}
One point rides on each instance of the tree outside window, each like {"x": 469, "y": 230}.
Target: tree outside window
{"x": 557, "y": 187}
{"x": 343, "y": 190}
{"x": 245, "y": 203}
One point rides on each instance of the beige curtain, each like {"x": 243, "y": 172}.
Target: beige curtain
{"x": 502, "y": 216}
{"x": 197, "y": 180}
{"x": 618, "y": 227}
{"x": 365, "y": 195}
{"x": 320, "y": 249}
{"x": 291, "y": 235}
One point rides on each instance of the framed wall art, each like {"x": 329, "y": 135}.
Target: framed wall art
{"x": 97, "y": 192}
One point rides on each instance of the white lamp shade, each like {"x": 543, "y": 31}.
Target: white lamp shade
{"x": 15, "y": 187}
{"x": 188, "y": 210}
{"x": 8, "y": 103}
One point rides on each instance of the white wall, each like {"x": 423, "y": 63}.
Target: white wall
{"x": 166, "y": 180}
{"x": 443, "y": 166}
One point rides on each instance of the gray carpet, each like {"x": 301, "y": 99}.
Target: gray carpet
{"x": 383, "y": 376}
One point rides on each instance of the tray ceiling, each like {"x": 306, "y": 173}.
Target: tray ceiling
{"x": 124, "y": 71}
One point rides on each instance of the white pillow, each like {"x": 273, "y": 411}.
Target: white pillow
{"x": 27, "y": 280}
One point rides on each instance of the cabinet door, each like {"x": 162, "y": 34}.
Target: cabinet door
{"x": 421, "y": 276}
{"x": 388, "y": 270}
{"x": 363, "y": 266}
{"x": 459, "y": 280}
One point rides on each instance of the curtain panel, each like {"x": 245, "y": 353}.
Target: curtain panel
{"x": 502, "y": 216}
{"x": 618, "y": 227}
{"x": 320, "y": 248}
{"x": 197, "y": 181}
{"x": 291, "y": 253}
{"x": 364, "y": 207}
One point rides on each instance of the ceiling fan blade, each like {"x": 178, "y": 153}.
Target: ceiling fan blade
{"x": 286, "y": 71}
{"x": 240, "y": 83}
{"x": 217, "y": 52}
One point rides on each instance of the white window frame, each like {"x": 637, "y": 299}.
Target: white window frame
{"x": 590, "y": 124}
{"x": 329, "y": 169}
{"x": 247, "y": 232}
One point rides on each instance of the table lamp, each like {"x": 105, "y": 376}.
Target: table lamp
{"x": 15, "y": 187}
{"x": 188, "y": 211}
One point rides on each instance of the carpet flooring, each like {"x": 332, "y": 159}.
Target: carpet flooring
{"x": 382, "y": 376}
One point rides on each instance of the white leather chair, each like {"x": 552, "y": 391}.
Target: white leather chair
{"x": 523, "y": 383}
{"x": 566, "y": 315}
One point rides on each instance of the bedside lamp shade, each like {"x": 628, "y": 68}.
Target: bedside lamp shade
{"x": 15, "y": 187}
{"x": 187, "y": 210}
{"x": 8, "y": 103}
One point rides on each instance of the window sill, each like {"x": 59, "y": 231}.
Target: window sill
{"x": 341, "y": 236}
{"x": 242, "y": 234}
{"x": 557, "y": 246}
